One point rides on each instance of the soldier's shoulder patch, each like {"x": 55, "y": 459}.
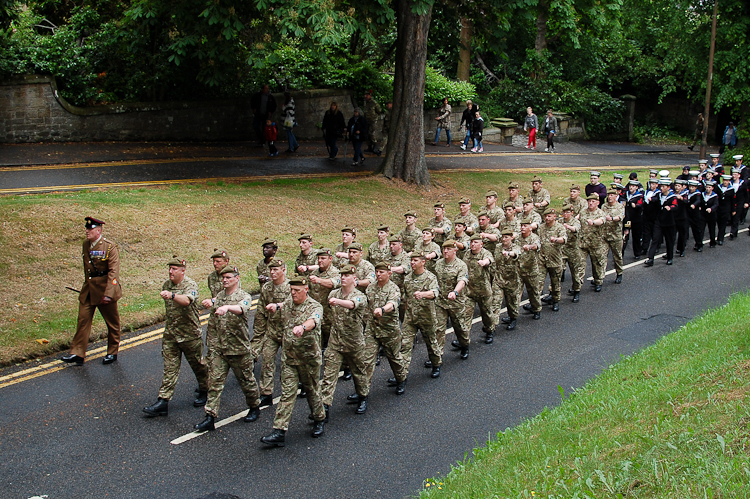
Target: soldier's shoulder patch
{"x": 245, "y": 303}
{"x": 114, "y": 282}
{"x": 194, "y": 293}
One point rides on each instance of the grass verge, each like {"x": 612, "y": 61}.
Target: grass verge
{"x": 670, "y": 421}
{"x": 40, "y": 241}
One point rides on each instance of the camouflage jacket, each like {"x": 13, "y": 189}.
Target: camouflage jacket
{"x": 372, "y": 111}
{"x": 304, "y": 350}
{"x": 214, "y": 283}
{"x": 448, "y": 276}
{"x": 430, "y": 248}
{"x": 514, "y": 225}
{"x": 347, "y": 325}
{"x": 377, "y": 297}
{"x": 507, "y": 266}
{"x": 320, "y": 293}
{"x": 229, "y": 334}
{"x": 552, "y": 253}
{"x": 182, "y": 323}
{"x": 270, "y": 322}
{"x": 613, "y": 230}
{"x": 410, "y": 238}
{"x": 591, "y": 235}
{"x": 490, "y": 245}
{"x": 311, "y": 259}
{"x": 479, "y": 277}
{"x": 444, "y": 224}
{"x": 425, "y": 308}
{"x": 472, "y": 224}
{"x": 400, "y": 260}
{"x": 579, "y": 204}
{"x": 377, "y": 254}
{"x": 540, "y": 197}
{"x": 528, "y": 260}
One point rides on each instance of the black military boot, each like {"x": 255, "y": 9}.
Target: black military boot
{"x": 465, "y": 350}
{"x": 347, "y": 374}
{"x": 456, "y": 344}
{"x": 576, "y": 297}
{"x": 392, "y": 382}
{"x": 318, "y": 429}
{"x": 401, "y": 388}
{"x": 207, "y": 424}
{"x": 555, "y": 306}
{"x": 511, "y": 325}
{"x": 352, "y": 399}
{"x": 160, "y": 408}
{"x": 428, "y": 364}
{"x": 547, "y": 299}
{"x": 506, "y": 320}
{"x": 362, "y": 408}
{"x": 200, "y": 399}
{"x": 252, "y": 415}
{"x": 435, "y": 372}
{"x": 276, "y": 438}
{"x": 266, "y": 400}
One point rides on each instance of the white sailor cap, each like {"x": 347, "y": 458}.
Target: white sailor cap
{"x": 714, "y": 155}
{"x": 702, "y": 161}
{"x": 693, "y": 173}
{"x": 665, "y": 181}
{"x": 694, "y": 183}
{"x": 738, "y": 157}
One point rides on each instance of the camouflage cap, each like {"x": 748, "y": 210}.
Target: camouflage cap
{"x": 464, "y": 201}
{"x": 483, "y": 213}
{"x": 507, "y": 231}
{"x": 575, "y": 187}
{"x": 411, "y": 213}
{"x": 355, "y": 246}
{"x": 428, "y": 229}
{"x": 513, "y": 185}
{"x": 347, "y": 269}
{"x": 536, "y": 178}
{"x": 528, "y": 200}
{"x": 508, "y": 204}
{"x": 298, "y": 280}
{"x": 593, "y": 195}
{"x": 526, "y": 221}
{"x": 351, "y": 230}
{"x": 450, "y": 243}
{"x": 567, "y": 207}
{"x": 418, "y": 254}
{"x": 325, "y": 251}
{"x": 276, "y": 262}
{"x": 269, "y": 242}
{"x": 475, "y": 237}
{"x": 439, "y": 205}
{"x": 382, "y": 266}
{"x": 219, "y": 253}
{"x": 384, "y": 227}
{"x": 549, "y": 211}
{"x": 229, "y": 269}
{"x": 176, "y": 262}
{"x": 394, "y": 239}
{"x": 490, "y": 193}
{"x": 305, "y": 235}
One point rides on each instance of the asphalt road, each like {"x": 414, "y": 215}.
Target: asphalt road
{"x": 52, "y": 167}
{"x": 79, "y": 431}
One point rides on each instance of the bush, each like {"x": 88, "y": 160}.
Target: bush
{"x": 438, "y": 87}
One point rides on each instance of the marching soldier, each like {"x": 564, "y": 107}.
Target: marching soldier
{"x": 535, "y": 220}
{"x": 634, "y": 216}
{"x": 466, "y": 216}
{"x": 666, "y": 203}
{"x": 421, "y": 290}
{"x": 695, "y": 213}
{"x": 429, "y": 248}
{"x": 480, "y": 262}
{"x": 575, "y": 200}
{"x": 300, "y": 361}
{"x": 506, "y": 263}
{"x": 462, "y": 240}
{"x": 269, "y": 252}
{"x": 591, "y": 240}
{"x": 229, "y": 347}
{"x": 726, "y": 206}
{"x": 552, "y": 236}
{"x": 494, "y": 211}
{"x": 322, "y": 281}
{"x": 182, "y": 336}
{"x": 380, "y": 249}
{"x": 572, "y": 251}
{"x": 307, "y": 260}
{"x": 539, "y": 195}
{"x": 528, "y": 268}
{"x": 364, "y": 270}
{"x": 101, "y": 290}
{"x": 341, "y": 252}
{"x": 614, "y": 213}
{"x": 513, "y": 197}
{"x": 219, "y": 259}
{"x": 452, "y": 275}
{"x": 511, "y": 221}
{"x": 410, "y": 234}
{"x": 441, "y": 225}
{"x": 680, "y": 215}
{"x": 400, "y": 268}
{"x": 710, "y": 212}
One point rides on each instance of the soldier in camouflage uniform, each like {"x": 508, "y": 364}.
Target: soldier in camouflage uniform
{"x": 421, "y": 290}
{"x": 307, "y": 260}
{"x": 400, "y": 268}
{"x": 514, "y": 197}
{"x": 322, "y": 281}
{"x": 341, "y": 253}
{"x": 441, "y": 225}
{"x": 229, "y": 347}
{"x": 466, "y": 216}
{"x": 614, "y": 213}
{"x": 539, "y": 195}
{"x": 429, "y": 248}
{"x": 453, "y": 276}
{"x": 494, "y": 211}
{"x": 219, "y": 259}
{"x": 347, "y": 341}
{"x": 380, "y": 249}
{"x": 591, "y": 240}
{"x": 410, "y": 235}
{"x": 528, "y": 267}
{"x": 364, "y": 270}
{"x": 490, "y": 239}
{"x": 575, "y": 200}
{"x": 480, "y": 265}
{"x": 372, "y": 114}
{"x": 572, "y": 250}
{"x": 268, "y": 327}
{"x": 300, "y": 361}
{"x": 269, "y": 252}
{"x": 182, "y": 336}
{"x": 382, "y": 329}
{"x": 506, "y": 264}
{"x": 511, "y": 220}
{"x": 553, "y": 238}
{"x": 533, "y": 216}
{"x": 462, "y": 240}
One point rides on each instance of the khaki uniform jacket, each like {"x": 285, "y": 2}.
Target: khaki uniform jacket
{"x": 101, "y": 268}
{"x": 377, "y": 297}
{"x": 448, "y": 276}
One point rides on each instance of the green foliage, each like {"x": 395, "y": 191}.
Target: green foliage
{"x": 654, "y": 133}
{"x": 438, "y": 87}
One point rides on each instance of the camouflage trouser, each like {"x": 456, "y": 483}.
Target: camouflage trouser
{"x": 271, "y": 346}
{"x": 172, "y": 351}
{"x": 533, "y": 285}
{"x": 486, "y": 310}
{"x": 577, "y": 266}
{"x": 429, "y": 333}
{"x": 392, "y": 349}
{"x": 614, "y": 244}
{"x": 598, "y": 257}
{"x": 291, "y": 376}
{"x": 512, "y": 292}
{"x": 325, "y": 332}
{"x": 461, "y": 325}
{"x": 554, "y": 282}
{"x": 497, "y": 297}
{"x": 333, "y": 361}
{"x": 218, "y": 368}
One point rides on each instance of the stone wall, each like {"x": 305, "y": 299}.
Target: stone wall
{"x": 31, "y": 110}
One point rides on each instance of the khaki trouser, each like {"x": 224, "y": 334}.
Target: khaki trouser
{"x": 218, "y": 368}
{"x": 85, "y": 317}
{"x": 291, "y": 377}
{"x": 172, "y": 352}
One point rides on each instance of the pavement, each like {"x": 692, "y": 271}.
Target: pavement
{"x": 48, "y": 167}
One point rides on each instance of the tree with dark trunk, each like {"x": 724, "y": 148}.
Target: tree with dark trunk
{"x": 404, "y": 157}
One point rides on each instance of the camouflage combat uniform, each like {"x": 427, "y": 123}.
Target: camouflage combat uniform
{"x": 427, "y": 249}
{"x": 465, "y": 240}
{"x": 214, "y": 283}
{"x": 320, "y": 293}
{"x": 470, "y": 220}
{"x": 420, "y": 315}
{"x": 573, "y": 254}
{"x": 365, "y": 271}
{"x": 612, "y": 233}
{"x": 480, "y": 288}
{"x": 268, "y": 331}
{"x": 409, "y": 238}
{"x": 552, "y": 256}
{"x": 311, "y": 259}
{"x": 540, "y": 197}
{"x": 448, "y": 276}
{"x": 300, "y": 361}
{"x": 592, "y": 243}
{"x": 578, "y": 205}
{"x": 182, "y": 335}
{"x": 383, "y": 331}
{"x": 262, "y": 268}
{"x": 510, "y": 280}
{"x": 444, "y": 224}
{"x": 229, "y": 347}
{"x": 346, "y": 344}
{"x": 529, "y": 271}
{"x": 514, "y": 225}
{"x": 377, "y": 254}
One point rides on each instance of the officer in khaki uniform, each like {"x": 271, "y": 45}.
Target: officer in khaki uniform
{"x": 421, "y": 289}
{"x": 101, "y": 289}
{"x": 229, "y": 348}
{"x": 268, "y": 327}
{"x": 453, "y": 276}
{"x": 553, "y": 237}
{"x": 480, "y": 263}
{"x": 182, "y": 336}
{"x": 301, "y": 359}
{"x": 382, "y": 328}
{"x": 270, "y": 247}
{"x": 219, "y": 259}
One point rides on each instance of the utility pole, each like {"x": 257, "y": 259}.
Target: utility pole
{"x": 707, "y": 109}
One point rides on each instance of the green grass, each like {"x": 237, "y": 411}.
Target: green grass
{"x": 670, "y": 421}
{"x": 42, "y": 234}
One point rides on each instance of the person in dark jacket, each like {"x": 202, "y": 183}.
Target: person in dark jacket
{"x": 263, "y": 105}
{"x": 477, "y": 128}
{"x": 634, "y": 216}
{"x": 666, "y": 204}
{"x": 726, "y": 206}
{"x": 710, "y": 212}
{"x": 357, "y": 128}
{"x": 680, "y": 216}
{"x": 333, "y": 127}
{"x": 695, "y": 213}
{"x": 650, "y": 212}
{"x": 550, "y": 129}
{"x": 467, "y": 118}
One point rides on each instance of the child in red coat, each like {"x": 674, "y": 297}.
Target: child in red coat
{"x": 269, "y": 133}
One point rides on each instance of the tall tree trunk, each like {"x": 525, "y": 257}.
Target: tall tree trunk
{"x": 464, "y": 51}
{"x": 541, "y": 26}
{"x": 404, "y": 157}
